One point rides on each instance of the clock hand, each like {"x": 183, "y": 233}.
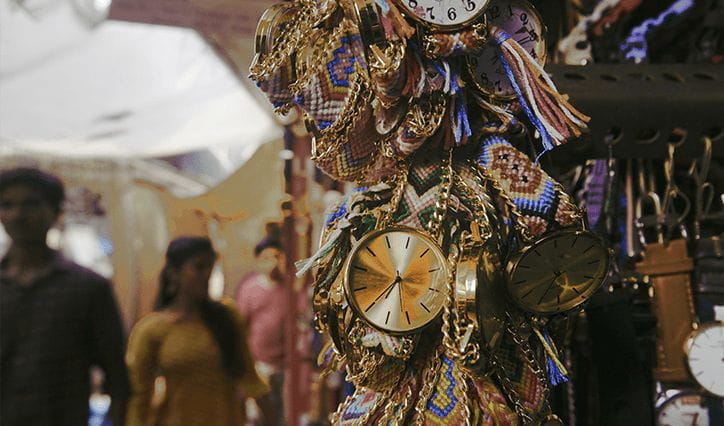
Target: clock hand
{"x": 400, "y": 291}
{"x": 550, "y": 286}
{"x": 388, "y": 289}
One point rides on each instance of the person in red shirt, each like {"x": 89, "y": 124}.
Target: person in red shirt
{"x": 263, "y": 302}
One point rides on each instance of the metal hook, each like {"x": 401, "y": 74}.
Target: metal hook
{"x": 671, "y": 193}
{"x": 705, "y": 191}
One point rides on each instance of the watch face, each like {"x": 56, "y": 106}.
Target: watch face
{"x": 558, "y": 272}
{"x": 396, "y": 279}
{"x": 683, "y": 409}
{"x": 445, "y": 14}
{"x": 705, "y": 357}
{"x": 520, "y": 20}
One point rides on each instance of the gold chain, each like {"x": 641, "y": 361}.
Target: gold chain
{"x": 286, "y": 42}
{"x": 319, "y": 54}
{"x": 430, "y": 376}
{"x": 402, "y": 401}
{"x": 534, "y": 365}
{"x": 518, "y": 221}
{"x": 451, "y": 349}
{"x": 333, "y": 136}
{"x": 438, "y": 215}
{"x": 425, "y": 117}
{"x": 463, "y": 398}
{"x": 394, "y": 203}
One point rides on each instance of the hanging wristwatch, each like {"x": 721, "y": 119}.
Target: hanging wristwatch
{"x": 396, "y": 279}
{"x": 685, "y": 407}
{"x": 522, "y": 22}
{"x": 558, "y": 272}
{"x": 704, "y": 351}
{"x": 444, "y": 15}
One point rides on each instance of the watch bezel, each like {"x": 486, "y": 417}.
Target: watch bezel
{"x": 349, "y": 293}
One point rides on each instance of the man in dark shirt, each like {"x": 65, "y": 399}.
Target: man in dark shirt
{"x": 58, "y": 318}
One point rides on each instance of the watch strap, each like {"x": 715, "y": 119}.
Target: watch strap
{"x": 669, "y": 268}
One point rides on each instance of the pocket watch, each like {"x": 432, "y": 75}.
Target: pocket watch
{"x": 558, "y": 272}
{"x": 396, "y": 279}
{"x": 685, "y": 408}
{"x": 705, "y": 357}
{"x": 444, "y": 15}
{"x": 522, "y": 22}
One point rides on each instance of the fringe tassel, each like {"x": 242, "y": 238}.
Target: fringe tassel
{"x": 505, "y": 118}
{"x": 550, "y": 112}
{"x": 403, "y": 30}
{"x": 305, "y": 265}
{"x": 556, "y": 370}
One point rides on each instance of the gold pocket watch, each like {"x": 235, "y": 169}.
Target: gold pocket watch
{"x": 444, "y": 15}
{"x": 522, "y": 22}
{"x": 704, "y": 356}
{"x": 396, "y": 279}
{"x": 558, "y": 272}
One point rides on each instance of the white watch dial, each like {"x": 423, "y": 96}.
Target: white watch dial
{"x": 444, "y": 13}
{"x": 520, "y": 20}
{"x": 706, "y": 358}
{"x": 683, "y": 409}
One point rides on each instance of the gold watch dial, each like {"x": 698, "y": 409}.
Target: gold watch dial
{"x": 396, "y": 279}
{"x": 558, "y": 272}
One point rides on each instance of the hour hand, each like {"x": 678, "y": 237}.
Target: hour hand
{"x": 386, "y": 292}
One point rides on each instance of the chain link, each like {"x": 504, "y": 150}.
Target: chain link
{"x": 463, "y": 397}
{"x": 441, "y": 202}
{"x": 430, "y": 376}
{"x": 286, "y": 42}
{"x": 518, "y": 221}
{"x": 402, "y": 401}
{"x": 451, "y": 349}
{"x": 530, "y": 357}
{"x": 314, "y": 61}
{"x": 389, "y": 215}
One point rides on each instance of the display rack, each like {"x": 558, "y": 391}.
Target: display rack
{"x": 641, "y": 108}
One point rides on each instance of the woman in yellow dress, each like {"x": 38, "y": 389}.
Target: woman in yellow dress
{"x": 189, "y": 361}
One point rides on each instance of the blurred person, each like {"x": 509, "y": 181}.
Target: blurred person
{"x": 57, "y": 318}
{"x": 193, "y": 346}
{"x": 263, "y": 301}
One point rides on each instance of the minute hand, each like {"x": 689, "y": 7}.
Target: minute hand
{"x": 387, "y": 290}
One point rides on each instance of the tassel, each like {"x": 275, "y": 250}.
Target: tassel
{"x": 403, "y": 30}
{"x": 550, "y": 112}
{"x": 556, "y": 370}
{"x": 305, "y": 265}
{"x": 505, "y": 118}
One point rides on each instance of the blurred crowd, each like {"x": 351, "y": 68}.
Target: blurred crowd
{"x": 192, "y": 361}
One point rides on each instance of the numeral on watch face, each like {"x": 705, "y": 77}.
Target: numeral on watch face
{"x": 444, "y": 13}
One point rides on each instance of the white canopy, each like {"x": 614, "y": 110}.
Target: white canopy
{"x": 120, "y": 89}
